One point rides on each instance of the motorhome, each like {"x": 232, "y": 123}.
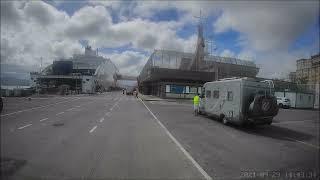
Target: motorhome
{"x": 239, "y": 100}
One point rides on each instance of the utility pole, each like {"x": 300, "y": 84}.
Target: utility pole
{"x": 40, "y": 64}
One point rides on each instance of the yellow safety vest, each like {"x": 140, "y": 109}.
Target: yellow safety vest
{"x": 196, "y": 100}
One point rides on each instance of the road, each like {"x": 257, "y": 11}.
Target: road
{"x": 105, "y": 136}
{"x": 285, "y": 150}
{"x": 116, "y": 136}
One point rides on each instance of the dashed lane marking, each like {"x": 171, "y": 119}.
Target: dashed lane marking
{"x": 44, "y": 119}
{"x": 59, "y": 113}
{"x": 25, "y": 126}
{"x": 36, "y": 108}
{"x": 200, "y": 169}
{"x": 94, "y": 128}
{"x": 70, "y": 109}
{"x": 102, "y": 119}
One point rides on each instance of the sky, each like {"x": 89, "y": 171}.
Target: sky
{"x": 273, "y": 34}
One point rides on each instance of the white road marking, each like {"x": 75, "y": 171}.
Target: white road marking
{"x": 107, "y": 113}
{"x": 59, "y": 113}
{"x": 25, "y": 126}
{"x": 102, "y": 119}
{"x": 78, "y": 106}
{"x": 43, "y": 119}
{"x": 200, "y": 169}
{"x": 305, "y": 143}
{"x": 36, "y": 108}
{"x": 115, "y": 104}
{"x": 70, "y": 109}
{"x": 94, "y": 128}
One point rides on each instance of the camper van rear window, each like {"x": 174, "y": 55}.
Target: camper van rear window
{"x": 216, "y": 94}
{"x": 208, "y": 94}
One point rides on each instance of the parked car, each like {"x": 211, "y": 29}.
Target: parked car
{"x": 240, "y": 101}
{"x": 283, "y": 102}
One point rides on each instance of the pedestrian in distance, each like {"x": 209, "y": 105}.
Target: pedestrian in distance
{"x": 196, "y": 101}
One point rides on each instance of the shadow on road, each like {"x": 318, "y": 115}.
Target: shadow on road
{"x": 272, "y": 131}
{"x": 277, "y": 132}
{"x": 9, "y": 166}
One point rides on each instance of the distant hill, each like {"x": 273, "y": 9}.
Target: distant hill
{"x": 12, "y": 81}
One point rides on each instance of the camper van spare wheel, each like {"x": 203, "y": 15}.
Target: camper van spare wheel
{"x": 263, "y": 105}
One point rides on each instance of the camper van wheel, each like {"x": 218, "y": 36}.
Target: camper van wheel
{"x": 269, "y": 122}
{"x": 221, "y": 116}
{"x": 225, "y": 121}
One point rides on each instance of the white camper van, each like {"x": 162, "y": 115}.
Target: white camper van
{"x": 240, "y": 101}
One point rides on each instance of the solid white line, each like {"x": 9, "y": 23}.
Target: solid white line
{"x": 24, "y": 126}
{"x": 93, "y": 129}
{"x": 308, "y": 144}
{"x": 35, "y": 108}
{"x": 102, "y": 119}
{"x": 59, "y": 113}
{"x": 200, "y": 169}
{"x": 44, "y": 119}
{"x": 114, "y": 105}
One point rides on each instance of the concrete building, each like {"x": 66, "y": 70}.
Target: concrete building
{"x": 293, "y": 77}
{"x": 308, "y": 75}
{"x": 82, "y": 73}
{"x": 308, "y": 71}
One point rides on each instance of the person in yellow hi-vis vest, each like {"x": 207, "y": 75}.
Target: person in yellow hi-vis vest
{"x": 196, "y": 101}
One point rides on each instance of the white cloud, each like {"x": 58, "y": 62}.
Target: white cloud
{"x": 227, "y": 53}
{"x": 34, "y": 29}
{"x": 51, "y": 33}
{"x": 128, "y": 62}
{"x": 268, "y": 26}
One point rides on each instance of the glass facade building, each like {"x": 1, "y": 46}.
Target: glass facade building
{"x": 170, "y": 74}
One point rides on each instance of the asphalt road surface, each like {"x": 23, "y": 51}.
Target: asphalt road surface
{"x": 92, "y": 137}
{"x": 113, "y": 136}
{"x": 287, "y": 149}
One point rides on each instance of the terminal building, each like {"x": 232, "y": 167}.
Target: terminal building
{"x": 168, "y": 74}
{"x": 173, "y": 74}
{"x": 82, "y": 73}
